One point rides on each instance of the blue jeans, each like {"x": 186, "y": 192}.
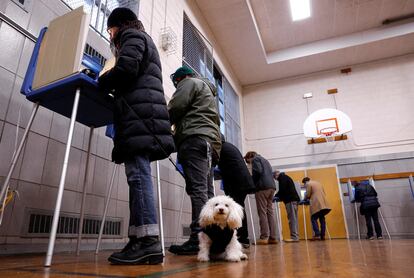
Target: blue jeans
{"x": 143, "y": 215}
{"x": 314, "y": 219}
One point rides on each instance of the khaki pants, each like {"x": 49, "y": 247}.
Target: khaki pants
{"x": 265, "y": 211}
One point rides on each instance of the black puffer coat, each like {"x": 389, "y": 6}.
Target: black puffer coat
{"x": 234, "y": 172}
{"x": 140, "y": 107}
{"x": 367, "y": 196}
{"x": 287, "y": 189}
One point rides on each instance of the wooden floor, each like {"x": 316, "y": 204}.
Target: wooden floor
{"x": 335, "y": 258}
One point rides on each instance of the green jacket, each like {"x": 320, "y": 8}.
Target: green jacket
{"x": 193, "y": 111}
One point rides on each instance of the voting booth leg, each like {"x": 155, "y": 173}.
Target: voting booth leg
{"x": 55, "y": 222}
{"x": 82, "y": 209}
{"x": 179, "y": 217}
{"x": 304, "y": 222}
{"x": 160, "y": 208}
{"x": 357, "y": 221}
{"x": 108, "y": 196}
{"x": 251, "y": 219}
{"x": 327, "y": 231}
{"x": 16, "y": 155}
{"x": 383, "y": 222}
{"x": 372, "y": 183}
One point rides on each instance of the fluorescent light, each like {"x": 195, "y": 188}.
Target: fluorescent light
{"x": 307, "y": 95}
{"x": 300, "y": 9}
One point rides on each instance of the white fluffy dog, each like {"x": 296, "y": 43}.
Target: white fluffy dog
{"x": 219, "y": 219}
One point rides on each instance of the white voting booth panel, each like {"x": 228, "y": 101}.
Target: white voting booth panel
{"x": 56, "y": 63}
{"x": 62, "y": 48}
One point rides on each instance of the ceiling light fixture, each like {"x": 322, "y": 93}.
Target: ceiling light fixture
{"x": 300, "y": 9}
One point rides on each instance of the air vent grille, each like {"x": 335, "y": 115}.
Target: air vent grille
{"x": 41, "y": 223}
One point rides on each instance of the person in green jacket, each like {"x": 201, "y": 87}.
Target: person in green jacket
{"x": 196, "y": 129}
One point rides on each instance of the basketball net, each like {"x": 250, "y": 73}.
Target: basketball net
{"x": 329, "y": 137}
{"x": 328, "y": 134}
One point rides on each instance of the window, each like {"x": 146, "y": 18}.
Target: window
{"x": 198, "y": 55}
{"x": 94, "y": 53}
{"x": 232, "y": 109}
{"x": 100, "y": 10}
{"x": 197, "y": 51}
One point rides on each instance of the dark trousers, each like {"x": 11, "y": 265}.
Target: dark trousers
{"x": 242, "y": 232}
{"x": 372, "y": 214}
{"x": 320, "y": 215}
{"x": 195, "y": 155}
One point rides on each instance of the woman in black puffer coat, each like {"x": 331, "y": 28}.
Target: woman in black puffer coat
{"x": 367, "y": 196}
{"x": 142, "y": 129}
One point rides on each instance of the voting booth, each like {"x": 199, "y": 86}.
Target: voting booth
{"x": 56, "y": 79}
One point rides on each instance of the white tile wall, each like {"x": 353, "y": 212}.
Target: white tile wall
{"x": 40, "y": 17}
{"x": 75, "y": 171}
{"x": 53, "y": 163}
{"x": 104, "y": 146}
{"x": 11, "y": 44}
{"x": 34, "y": 158}
{"x": 6, "y": 85}
{"x": 1, "y": 129}
{"x": 102, "y": 177}
{"x": 60, "y": 128}
{"x": 3, "y": 5}
{"x": 91, "y": 173}
{"x": 7, "y": 147}
{"x": 18, "y": 14}
{"x": 94, "y": 205}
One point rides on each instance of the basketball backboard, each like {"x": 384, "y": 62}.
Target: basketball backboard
{"x": 326, "y": 121}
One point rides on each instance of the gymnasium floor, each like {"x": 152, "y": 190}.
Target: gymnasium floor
{"x": 335, "y": 258}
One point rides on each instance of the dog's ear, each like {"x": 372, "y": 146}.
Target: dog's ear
{"x": 236, "y": 216}
{"x": 207, "y": 215}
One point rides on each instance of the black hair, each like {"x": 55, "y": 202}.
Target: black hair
{"x": 305, "y": 180}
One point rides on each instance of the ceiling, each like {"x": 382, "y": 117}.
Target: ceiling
{"x": 262, "y": 43}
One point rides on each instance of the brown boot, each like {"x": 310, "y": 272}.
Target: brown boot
{"x": 272, "y": 241}
{"x": 262, "y": 242}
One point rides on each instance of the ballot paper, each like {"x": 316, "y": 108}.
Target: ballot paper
{"x": 109, "y": 64}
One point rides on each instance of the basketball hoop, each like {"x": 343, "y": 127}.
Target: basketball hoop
{"x": 326, "y": 125}
{"x": 329, "y": 134}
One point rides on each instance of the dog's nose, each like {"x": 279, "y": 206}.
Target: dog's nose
{"x": 221, "y": 210}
